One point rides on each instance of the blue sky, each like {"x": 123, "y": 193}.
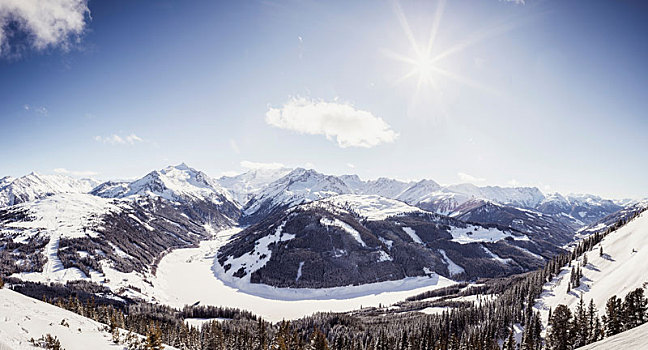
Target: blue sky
{"x": 542, "y": 93}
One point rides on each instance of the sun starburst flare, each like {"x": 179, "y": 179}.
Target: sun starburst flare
{"x": 424, "y": 61}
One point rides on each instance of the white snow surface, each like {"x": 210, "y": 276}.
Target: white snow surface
{"x": 186, "y": 276}
{"x": 66, "y": 214}
{"x": 472, "y": 233}
{"x": 23, "y": 318}
{"x": 633, "y": 339}
{"x": 617, "y": 272}
{"x": 497, "y": 257}
{"x": 412, "y": 233}
{"x": 344, "y": 226}
{"x": 453, "y": 268}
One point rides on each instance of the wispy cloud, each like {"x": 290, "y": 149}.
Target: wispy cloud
{"x": 45, "y": 23}
{"x": 342, "y": 122}
{"x": 350, "y": 165}
{"x": 257, "y": 165}
{"x": 115, "y": 139}
{"x": 74, "y": 172}
{"x": 234, "y": 146}
{"x": 36, "y": 109}
{"x": 469, "y": 178}
{"x": 517, "y": 2}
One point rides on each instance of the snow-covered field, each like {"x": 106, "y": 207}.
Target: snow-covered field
{"x": 186, "y": 276}
{"x": 23, "y": 318}
{"x": 634, "y": 339}
{"x": 619, "y": 271}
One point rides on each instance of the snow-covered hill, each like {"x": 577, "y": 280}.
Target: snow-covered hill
{"x": 35, "y": 186}
{"x": 618, "y": 271}
{"x": 633, "y": 339}
{"x": 23, "y": 318}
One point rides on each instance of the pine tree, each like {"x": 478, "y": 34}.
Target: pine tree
{"x": 318, "y": 341}
{"x": 559, "y": 336}
{"x": 634, "y": 308}
{"x": 580, "y": 325}
{"x": 613, "y": 316}
{"x": 153, "y": 338}
{"x": 593, "y": 322}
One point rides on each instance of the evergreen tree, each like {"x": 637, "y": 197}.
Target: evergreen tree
{"x": 559, "y": 336}
{"x": 318, "y": 341}
{"x": 153, "y": 338}
{"x": 613, "y": 316}
{"x": 634, "y": 309}
{"x": 580, "y": 325}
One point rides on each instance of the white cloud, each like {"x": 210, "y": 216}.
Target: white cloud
{"x": 47, "y": 23}
{"x": 256, "y": 165}
{"x": 75, "y": 173}
{"x": 517, "y": 2}
{"x": 469, "y": 178}
{"x": 115, "y": 139}
{"x": 350, "y": 127}
{"x": 352, "y": 166}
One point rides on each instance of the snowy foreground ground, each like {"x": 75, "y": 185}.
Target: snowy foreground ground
{"x": 634, "y": 339}
{"x": 187, "y": 276}
{"x": 23, "y": 318}
{"x": 621, "y": 269}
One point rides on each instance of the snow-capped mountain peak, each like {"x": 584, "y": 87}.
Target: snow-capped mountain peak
{"x": 35, "y": 186}
{"x": 297, "y": 187}
{"x": 244, "y": 186}
{"x": 171, "y": 183}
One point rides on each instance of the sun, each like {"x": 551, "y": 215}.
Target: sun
{"x": 424, "y": 59}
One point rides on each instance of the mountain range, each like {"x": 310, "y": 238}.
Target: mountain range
{"x": 302, "y": 228}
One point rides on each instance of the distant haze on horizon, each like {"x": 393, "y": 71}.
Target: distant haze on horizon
{"x": 543, "y": 93}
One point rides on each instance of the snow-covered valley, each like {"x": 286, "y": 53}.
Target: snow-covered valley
{"x": 187, "y": 276}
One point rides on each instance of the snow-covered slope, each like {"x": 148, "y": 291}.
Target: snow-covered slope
{"x": 35, "y": 186}
{"x": 23, "y": 318}
{"x": 634, "y": 339}
{"x": 619, "y": 271}
{"x": 245, "y": 186}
